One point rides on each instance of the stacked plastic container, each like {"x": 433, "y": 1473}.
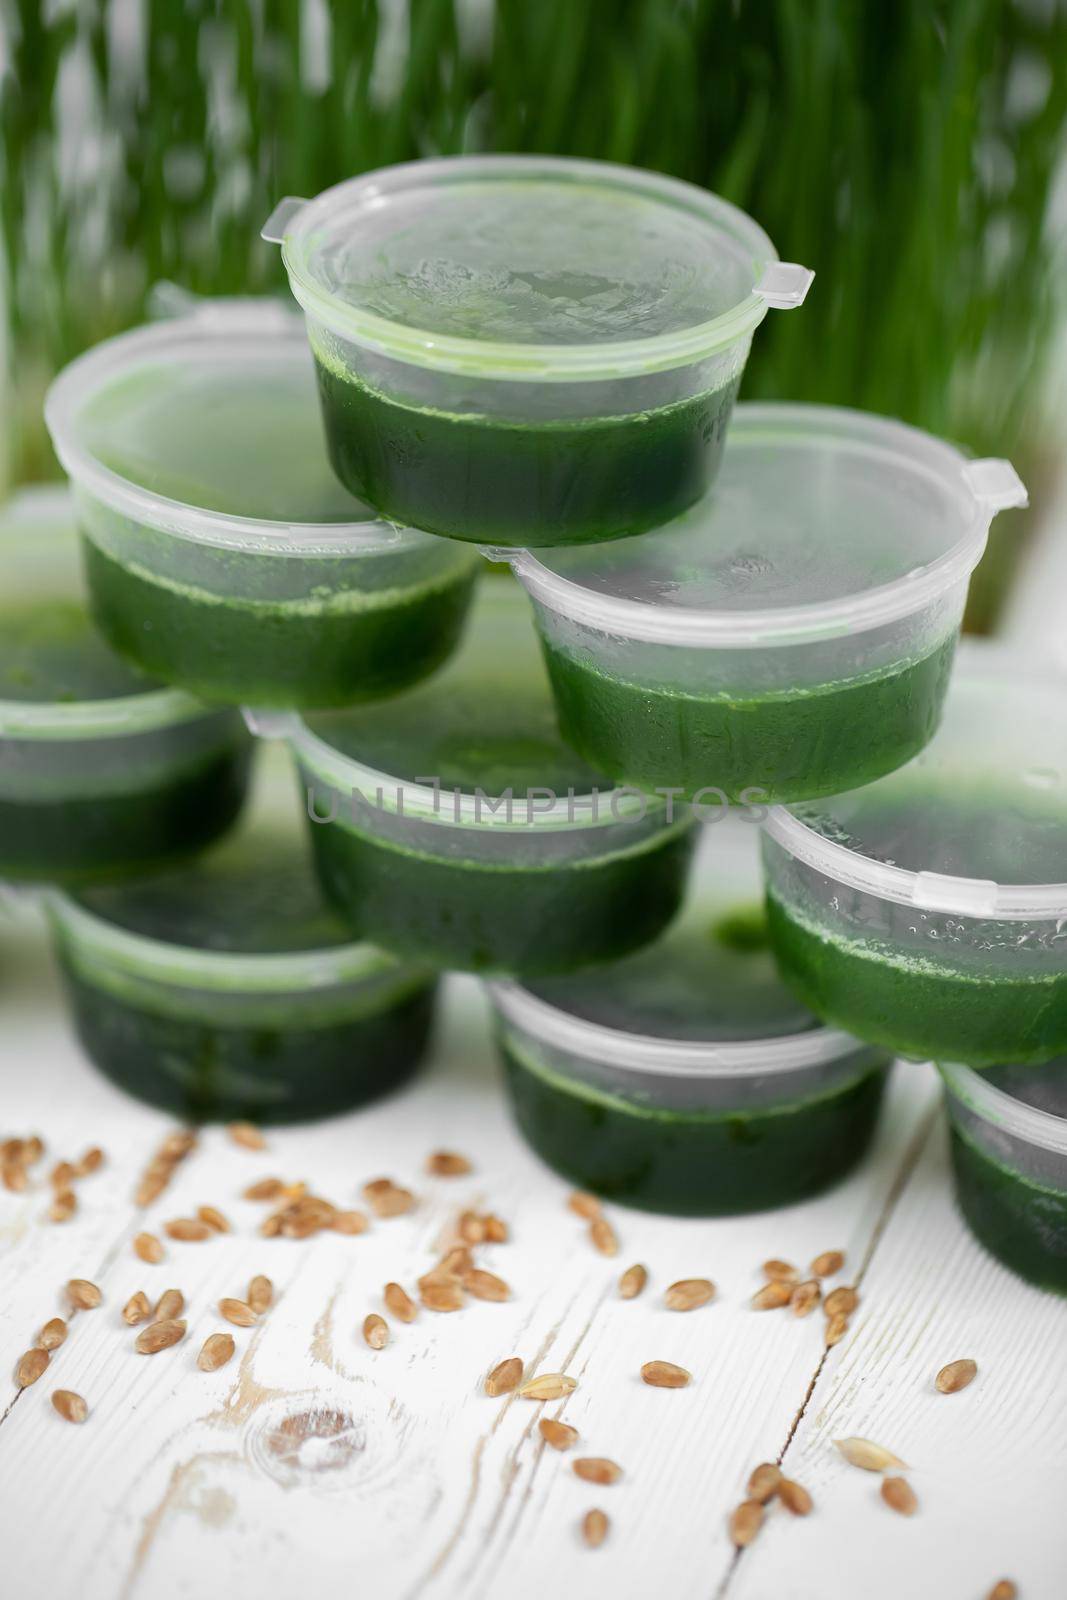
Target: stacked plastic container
{"x": 748, "y": 609}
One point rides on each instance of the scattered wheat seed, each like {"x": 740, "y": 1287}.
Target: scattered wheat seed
{"x": 560, "y": 1435}
{"x": 778, "y": 1292}
{"x": 505, "y": 1376}
{"x": 170, "y": 1305}
{"x": 597, "y": 1469}
{"x": 159, "y": 1336}
{"x": 350, "y": 1222}
{"x": 688, "y": 1294}
{"x": 548, "y": 1386}
{"x": 485, "y": 1285}
{"x": 148, "y": 1247}
{"x": 1004, "y": 1590}
{"x": 189, "y": 1229}
{"x": 603, "y": 1236}
{"x": 214, "y": 1219}
{"x": 447, "y": 1164}
{"x": 177, "y": 1145}
{"x": 795, "y": 1497}
{"x": 595, "y": 1527}
{"x": 30, "y": 1367}
{"x": 836, "y": 1328}
{"x": 239, "y": 1312}
{"x": 83, "y": 1294}
{"x": 91, "y": 1161}
{"x": 441, "y": 1295}
{"x": 632, "y": 1282}
{"x": 388, "y": 1199}
{"x": 665, "y": 1375}
{"x": 264, "y": 1189}
{"x": 828, "y": 1263}
{"x": 247, "y": 1135}
{"x": 871, "y": 1457}
{"x": 841, "y": 1302}
{"x": 376, "y": 1331}
{"x": 215, "y": 1351}
{"x": 471, "y": 1228}
{"x": 780, "y": 1269}
{"x": 956, "y": 1376}
{"x": 496, "y": 1229}
{"x": 399, "y": 1302}
{"x": 805, "y": 1298}
{"x": 62, "y": 1176}
{"x": 71, "y": 1406}
{"x": 260, "y": 1294}
{"x": 745, "y": 1522}
{"x": 63, "y": 1206}
{"x": 763, "y": 1482}
{"x": 584, "y": 1205}
{"x": 136, "y": 1309}
{"x": 52, "y": 1334}
{"x": 899, "y": 1495}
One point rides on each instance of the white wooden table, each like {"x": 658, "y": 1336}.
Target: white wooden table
{"x": 312, "y": 1465}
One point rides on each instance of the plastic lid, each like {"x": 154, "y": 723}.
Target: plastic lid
{"x": 529, "y": 266}
{"x": 45, "y": 630}
{"x": 975, "y": 825}
{"x": 1017, "y": 1100}
{"x": 485, "y": 722}
{"x": 208, "y": 428}
{"x": 704, "y": 999}
{"x": 821, "y": 522}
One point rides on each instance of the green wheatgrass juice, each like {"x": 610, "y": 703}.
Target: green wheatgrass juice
{"x": 682, "y": 1148}
{"x": 923, "y": 984}
{"x": 220, "y": 1046}
{"x": 143, "y": 787}
{"x": 264, "y": 619}
{"x": 534, "y": 899}
{"x": 1020, "y": 1218}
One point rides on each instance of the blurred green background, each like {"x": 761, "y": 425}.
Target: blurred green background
{"x": 908, "y": 150}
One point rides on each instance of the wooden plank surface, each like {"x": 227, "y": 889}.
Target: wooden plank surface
{"x": 312, "y": 1460}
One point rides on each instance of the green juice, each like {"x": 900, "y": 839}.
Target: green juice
{"x": 792, "y": 746}
{"x": 524, "y": 484}
{"x": 741, "y": 1150}
{"x": 1020, "y": 1218}
{"x": 926, "y": 985}
{"x": 219, "y": 1049}
{"x": 101, "y": 803}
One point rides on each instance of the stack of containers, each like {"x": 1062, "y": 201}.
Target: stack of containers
{"x": 753, "y": 607}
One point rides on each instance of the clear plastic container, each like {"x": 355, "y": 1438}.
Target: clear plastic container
{"x": 792, "y": 634}
{"x": 452, "y": 824}
{"x": 221, "y": 552}
{"x": 928, "y": 911}
{"x": 230, "y": 990}
{"x": 1009, "y": 1154}
{"x": 686, "y": 1079}
{"x": 520, "y": 350}
{"x": 102, "y": 770}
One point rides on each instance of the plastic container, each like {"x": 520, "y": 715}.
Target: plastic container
{"x": 454, "y": 825}
{"x": 221, "y": 552}
{"x": 1009, "y": 1153}
{"x": 232, "y": 991}
{"x": 102, "y": 770}
{"x": 928, "y": 911}
{"x": 520, "y": 350}
{"x": 793, "y": 633}
{"x": 686, "y": 1079}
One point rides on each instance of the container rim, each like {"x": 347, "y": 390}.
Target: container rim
{"x": 217, "y": 971}
{"x": 218, "y": 333}
{"x": 932, "y": 891}
{"x": 682, "y": 1058}
{"x": 454, "y": 809}
{"x": 295, "y": 223}
{"x": 993, "y": 1104}
{"x": 981, "y": 489}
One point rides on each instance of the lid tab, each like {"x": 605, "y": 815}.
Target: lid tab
{"x": 939, "y": 891}
{"x": 277, "y": 224}
{"x": 995, "y": 484}
{"x": 784, "y": 285}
